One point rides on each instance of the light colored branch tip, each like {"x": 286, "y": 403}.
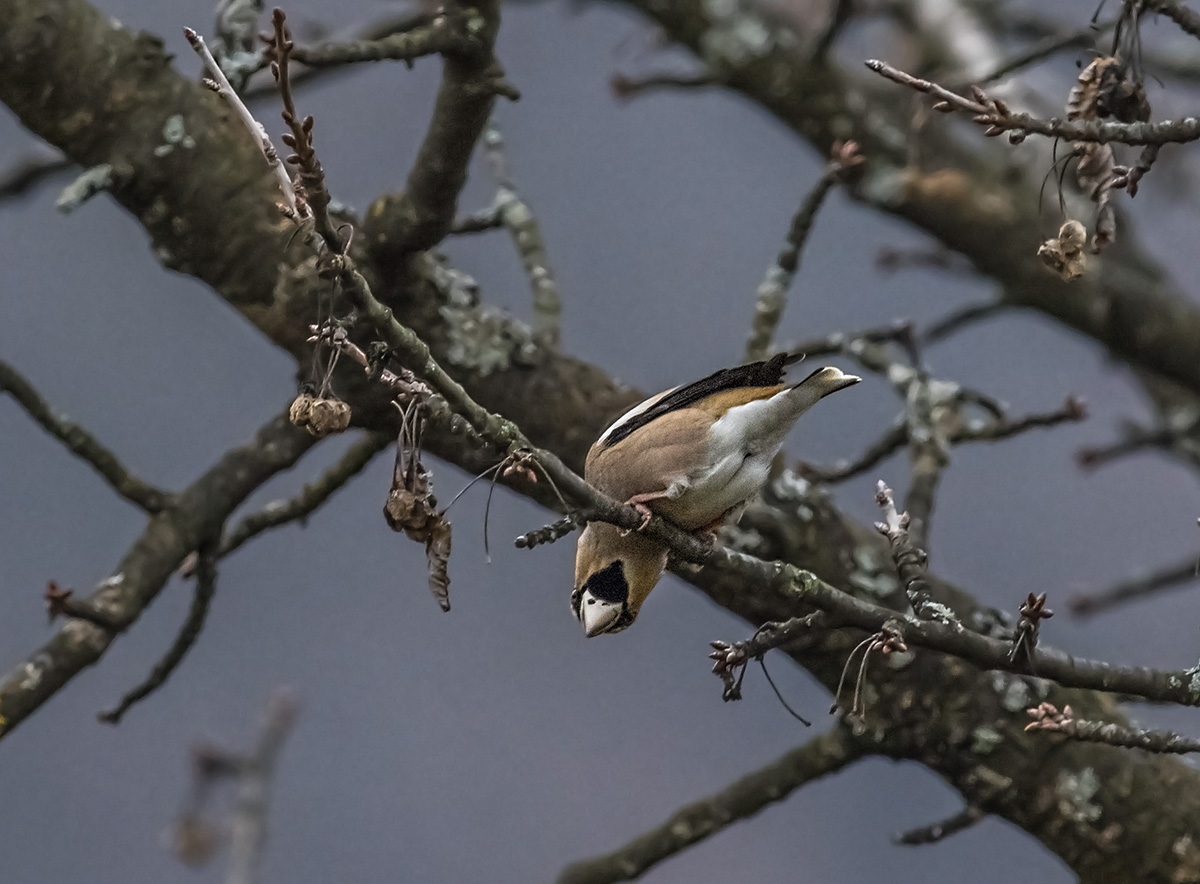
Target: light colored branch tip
{"x": 257, "y": 131}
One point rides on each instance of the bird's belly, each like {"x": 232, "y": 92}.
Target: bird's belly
{"x": 729, "y": 482}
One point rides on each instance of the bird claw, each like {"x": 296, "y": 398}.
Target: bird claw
{"x": 645, "y": 513}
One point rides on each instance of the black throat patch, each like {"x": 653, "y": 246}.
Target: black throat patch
{"x": 609, "y": 584}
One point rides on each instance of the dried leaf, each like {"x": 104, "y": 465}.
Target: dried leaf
{"x": 1085, "y": 94}
{"x": 1102, "y": 90}
{"x": 1064, "y": 254}
{"x": 437, "y": 554}
{"x": 1095, "y": 175}
{"x": 412, "y": 508}
{"x": 1105, "y": 89}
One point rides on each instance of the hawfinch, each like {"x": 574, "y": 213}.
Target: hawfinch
{"x": 694, "y": 455}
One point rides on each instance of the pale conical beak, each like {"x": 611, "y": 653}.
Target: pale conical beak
{"x": 597, "y": 616}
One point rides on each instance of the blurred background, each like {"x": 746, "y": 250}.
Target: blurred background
{"x": 496, "y": 742}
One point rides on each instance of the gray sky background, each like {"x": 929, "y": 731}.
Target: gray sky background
{"x": 496, "y": 743}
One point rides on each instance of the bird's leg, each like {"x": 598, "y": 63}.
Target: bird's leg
{"x": 639, "y": 501}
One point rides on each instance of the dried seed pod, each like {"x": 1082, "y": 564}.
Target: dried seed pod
{"x": 327, "y": 416}
{"x": 1064, "y": 254}
{"x": 301, "y": 409}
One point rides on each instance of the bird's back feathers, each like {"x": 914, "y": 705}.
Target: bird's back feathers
{"x": 759, "y": 380}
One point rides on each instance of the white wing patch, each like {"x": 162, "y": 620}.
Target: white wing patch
{"x": 640, "y": 408}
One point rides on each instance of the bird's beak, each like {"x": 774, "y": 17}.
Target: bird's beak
{"x": 597, "y": 616}
{"x": 830, "y": 380}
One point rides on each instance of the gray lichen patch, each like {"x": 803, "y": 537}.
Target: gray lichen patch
{"x": 174, "y": 135}
{"x": 481, "y": 338}
{"x": 1075, "y": 792}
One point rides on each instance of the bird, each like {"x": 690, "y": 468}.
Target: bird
{"x": 694, "y": 454}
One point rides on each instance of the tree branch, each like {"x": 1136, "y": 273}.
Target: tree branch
{"x": 169, "y": 537}
{"x": 206, "y": 586}
{"x": 82, "y": 444}
{"x": 695, "y": 822}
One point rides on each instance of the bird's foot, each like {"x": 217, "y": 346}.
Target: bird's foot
{"x": 644, "y": 512}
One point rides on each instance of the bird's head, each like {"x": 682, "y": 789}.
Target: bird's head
{"x": 613, "y": 576}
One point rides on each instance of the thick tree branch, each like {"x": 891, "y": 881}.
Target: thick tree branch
{"x": 194, "y": 520}
{"x": 232, "y": 240}
{"x": 421, "y": 216}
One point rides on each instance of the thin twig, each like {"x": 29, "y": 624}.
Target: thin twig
{"x": 298, "y": 508}
{"x": 1046, "y": 717}
{"x": 515, "y": 214}
{"x": 959, "y": 319}
{"x": 206, "y": 585}
{"x": 82, "y": 444}
{"x": 909, "y": 559}
{"x": 1185, "y": 571}
{"x": 893, "y": 439}
{"x": 257, "y": 131}
{"x": 695, "y": 822}
{"x": 27, "y": 173}
{"x": 1084, "y": 38}
{"x": 939, "y": 831}
{"x": 625, "y": 86}
{"x": 772, "y": 291}
{"x": 248, "y": 829}
{"x": 993, "y": 114}
{"x": 312, "y": 195}
{"x": 1167, "y": 436}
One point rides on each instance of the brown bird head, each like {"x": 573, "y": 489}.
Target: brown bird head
{"x": 614, "y": 572}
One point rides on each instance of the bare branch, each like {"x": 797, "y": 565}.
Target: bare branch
{"x": 249, "y": 825}
{"x": 694, "y": 823}
{"x": 82, "y": 444}
{"x": 447, "y": 34}
{"x": 312, "y": 496}
{"x": 206, "y": 586}
{"x": 311, "y": 193}
{"x": 893, "y": 439}
{"x": 1183, "y": 572}
{"x": 1046, "y": 717}
{"x": 421, "y": 216}
{"x": 772, "y": 291}
{"x": 910, "y": 561}
{"x": 624, "y": 86}
{"x": 1084, "y": 38}
{"x": 27, "y": 173}
{"x": 1187, "y": 20}
{"x": 526, "y": 233}
{"x": 939, "y": 831}
{"x": 994, "y": 115}
{"x": 196, "y": 516}
{"x": 257, "y": 131}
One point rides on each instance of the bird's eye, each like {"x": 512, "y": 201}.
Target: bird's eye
{"x": 591, "y": 601}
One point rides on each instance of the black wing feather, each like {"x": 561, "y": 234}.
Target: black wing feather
{"x": 757, "y": 374}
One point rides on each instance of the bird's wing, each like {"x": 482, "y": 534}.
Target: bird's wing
{"x": 726, "y": 385}
{"x": 645, "y": 462}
